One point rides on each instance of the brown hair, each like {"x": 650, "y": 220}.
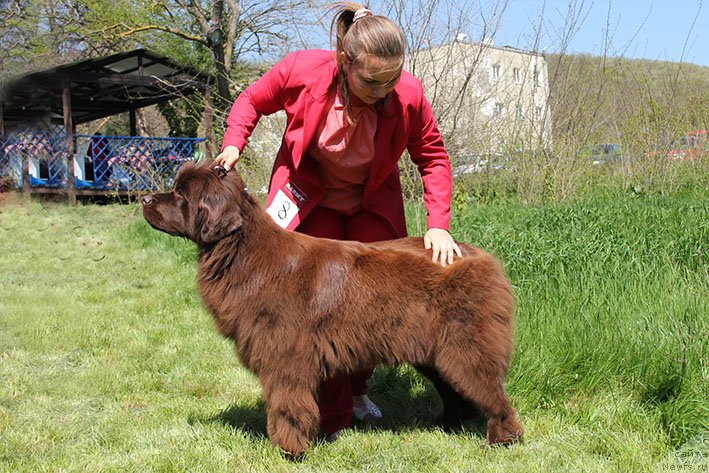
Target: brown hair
{"x": 374, "y": 35}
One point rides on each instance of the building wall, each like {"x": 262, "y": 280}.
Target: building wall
{"x": 486, "y": 99}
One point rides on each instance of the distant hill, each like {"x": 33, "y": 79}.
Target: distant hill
{"x": 639, "y": 103}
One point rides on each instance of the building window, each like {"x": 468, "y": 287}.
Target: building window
{"x": 499, "y": 109}
{"x": 536, "y": 77}
{"x": 537, "y": 113}
{"x": 518, "y": 115}
{"x": 515, "y": 75}
{"x": 496, "y": 71}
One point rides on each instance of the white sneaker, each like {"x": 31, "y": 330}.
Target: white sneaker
{"x": 365, "y": 410}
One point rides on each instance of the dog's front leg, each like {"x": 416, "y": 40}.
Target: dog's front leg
{"x": 293, "y": 418}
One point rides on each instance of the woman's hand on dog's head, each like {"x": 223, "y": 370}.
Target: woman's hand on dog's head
{"x": 228, "y": 157}
{"x": 443, "y": 246}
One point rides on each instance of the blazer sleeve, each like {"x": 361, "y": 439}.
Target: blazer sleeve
{"x": 427, "y": 151}
{"x": 263, "y": 97}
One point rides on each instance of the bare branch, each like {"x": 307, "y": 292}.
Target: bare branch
{"x": 123, "y": 30}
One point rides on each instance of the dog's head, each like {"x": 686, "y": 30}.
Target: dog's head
{"x": 205, "y": 205}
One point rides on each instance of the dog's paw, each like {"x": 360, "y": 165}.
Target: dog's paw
{"x": 504, "y": 431}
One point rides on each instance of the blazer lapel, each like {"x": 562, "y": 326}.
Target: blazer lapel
{"x": 313, "y": 113}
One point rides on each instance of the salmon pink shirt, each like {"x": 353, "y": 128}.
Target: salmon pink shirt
{"x": 344, "y": 151}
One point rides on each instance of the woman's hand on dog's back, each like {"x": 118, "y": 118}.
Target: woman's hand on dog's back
{"x": 228, "y": 157}
{"x": 443, "y": 246}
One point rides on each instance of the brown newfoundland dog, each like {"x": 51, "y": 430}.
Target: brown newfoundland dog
{"x": 303, "y": 309}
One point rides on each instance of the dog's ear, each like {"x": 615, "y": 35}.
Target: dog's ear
{"x": 219, "y": 216}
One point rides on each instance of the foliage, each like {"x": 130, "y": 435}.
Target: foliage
{"x": 183, "y": 116}
{"x": 38, "y": 34}
{"x": 641, "y": 104}
{"x": 215, "y": 36}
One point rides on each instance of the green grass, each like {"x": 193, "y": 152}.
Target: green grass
{"x": 109, "y": 363}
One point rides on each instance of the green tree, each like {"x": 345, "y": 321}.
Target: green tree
{"x": 38, "y": 34}
{"x": 215, "y": 33}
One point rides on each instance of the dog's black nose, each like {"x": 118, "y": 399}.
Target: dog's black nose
{"x": 148, "y": 199}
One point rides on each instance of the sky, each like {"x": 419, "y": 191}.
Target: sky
{"x": 665, "y": 30}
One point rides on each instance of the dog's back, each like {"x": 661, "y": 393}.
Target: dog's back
{"x": 415, "y": 245}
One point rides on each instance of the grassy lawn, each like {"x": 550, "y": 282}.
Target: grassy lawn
{"x": 108, "y": 362}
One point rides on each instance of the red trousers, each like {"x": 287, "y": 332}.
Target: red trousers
{"x": 335, "y": 396}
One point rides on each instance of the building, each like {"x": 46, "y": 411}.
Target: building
{"x": 487, "y": 99}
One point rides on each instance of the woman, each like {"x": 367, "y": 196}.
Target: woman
{"x": 351, "y": 114}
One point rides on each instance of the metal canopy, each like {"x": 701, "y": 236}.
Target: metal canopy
{"x": 100, "y": 87}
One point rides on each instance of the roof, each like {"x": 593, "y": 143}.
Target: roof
{"x": 486, "y": 45}
{"x": 100, "y": 87}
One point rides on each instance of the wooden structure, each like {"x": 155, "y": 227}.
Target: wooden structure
{"x": 95, "y": 88}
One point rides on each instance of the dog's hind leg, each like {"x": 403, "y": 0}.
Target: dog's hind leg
{"x": 456, "y": 408}
{"x": 293, "y": 418}
{"x": 479, "y": 380}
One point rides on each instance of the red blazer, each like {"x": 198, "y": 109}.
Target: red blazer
{"x": 300, "y": 84}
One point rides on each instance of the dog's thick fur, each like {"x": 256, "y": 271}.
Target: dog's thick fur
{"x": 303, "y": 309}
